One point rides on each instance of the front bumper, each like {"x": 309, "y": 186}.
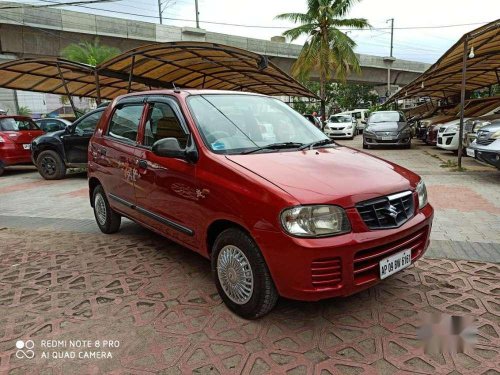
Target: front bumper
{"x": 374, "y": 140}
{"x": 342, "y": 133}
{"x": 296, "y": 263}
{"x": 448, "y": 141}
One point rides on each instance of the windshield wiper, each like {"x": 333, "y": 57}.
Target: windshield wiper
{"x": 316, "y": 143}
{"x": 275, "y": 146}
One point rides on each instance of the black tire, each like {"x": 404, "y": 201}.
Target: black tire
{"x": 2, "y": 168}
{"x": 408, "y": 146}
{"x": 264, "y": 295}
{"x": 50, "y": 165}
{"x": 110, "y": 221}
{"x": 365, "y": 146}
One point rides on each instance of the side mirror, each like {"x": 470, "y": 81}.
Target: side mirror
{"x": 170, "y": 148}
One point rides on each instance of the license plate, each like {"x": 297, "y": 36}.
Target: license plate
{"x": 387, "y": 138}
{"x": 394, "y": 263}
{"x": 471, "y": 152}
{"x": 27, "y": 146}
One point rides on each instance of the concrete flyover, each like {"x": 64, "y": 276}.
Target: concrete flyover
{"x": 29, "y": 32}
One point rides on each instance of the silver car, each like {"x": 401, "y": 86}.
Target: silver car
{"x": 486, "y": 147}
{"x": 387, "y": 128}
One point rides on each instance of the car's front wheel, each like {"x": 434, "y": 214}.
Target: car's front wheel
{"x": 241, "y": 275}
{"x": 107, "y": 219}
{"x": 2, "y": 168}
{"x": 50, "y": 165}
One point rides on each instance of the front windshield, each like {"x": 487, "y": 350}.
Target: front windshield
{"x": 340, "y": 119}
{"x": 11, "y": 124}
{"x": 235, "y": 123}
{"x": 386, "y": 117}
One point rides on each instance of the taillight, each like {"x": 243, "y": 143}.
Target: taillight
{"x": 2, "y": 140}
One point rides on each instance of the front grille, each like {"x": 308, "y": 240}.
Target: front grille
{"x": 485, "y": 142}
{"x": 326, "y": 273}
{"x": 440, "y": 140}
{"x": 366, "y": 262}
{"x": 387, "y": 134}
{"x": 387, "y": 212}
{"x": 449, "y": 140}
{"x": 337, "y": 128}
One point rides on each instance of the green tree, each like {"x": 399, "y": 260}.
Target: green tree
{"x": 327, "y": 48}
{"x": 24, "y": 111}
{"x": 350, "y": 96}
{"x": 90, "y": 53}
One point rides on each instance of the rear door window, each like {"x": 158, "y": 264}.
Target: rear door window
{"x": 125, "y": 122}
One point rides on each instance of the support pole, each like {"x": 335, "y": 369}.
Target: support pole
{"x": 75, "y": 111}
{"x": 160, "y": 12}
{"x": 97, "y": 87}
{"x": 197, "y": 14}
{"x": 462, "y": 101}
{"x": 131, "y": 74}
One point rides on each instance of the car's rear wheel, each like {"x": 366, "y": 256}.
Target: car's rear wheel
{"x": 107, "y": 219}
{"x": 241, "y": 275}
{"x": 2, "y": 168}
{"x": 50, "y": 165}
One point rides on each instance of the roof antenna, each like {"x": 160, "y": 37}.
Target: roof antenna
{"x": 176, "y": 89}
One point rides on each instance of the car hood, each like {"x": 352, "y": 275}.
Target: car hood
{"x": 50, "y": 136}
{"x": 387, "y": 126}
{"x": 338, "y": 175}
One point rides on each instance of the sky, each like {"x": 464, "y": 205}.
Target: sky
{"x": 423, "y": 29}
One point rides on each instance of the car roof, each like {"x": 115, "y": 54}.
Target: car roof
{"x": 16, "y": 117}
{"x": 187, "y": 92}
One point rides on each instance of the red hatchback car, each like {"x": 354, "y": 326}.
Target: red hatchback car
{"x": 242, "y": 179}
{"x": 16, "y": 134}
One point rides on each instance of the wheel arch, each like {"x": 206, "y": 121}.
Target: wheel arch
{"x": 217, "y": 227}
{"x": 93, "y": 183}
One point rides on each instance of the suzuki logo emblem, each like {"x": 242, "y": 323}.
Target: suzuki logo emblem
{"x": 392, "y": 211}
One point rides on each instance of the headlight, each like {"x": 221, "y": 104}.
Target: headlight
{"x": 452, "y": 128}
{"x": 496, "y": 135}
{"x": 315, "y": 221}
{"x": 348, "y": 127}
{"x": 422, "y": 194}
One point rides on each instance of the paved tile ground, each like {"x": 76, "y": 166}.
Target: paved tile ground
{"x": 158, "y": 300}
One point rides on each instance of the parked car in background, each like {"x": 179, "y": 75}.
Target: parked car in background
{"x": 54, "y": 152}
{"x": 3, "y": 112}
{"x": 299, "y": 217}
{"x": 486, "y": 147}
{"x": 52, "y": 124}
{"x": 341, "y": 126}
{"x": 360, "y": 115}
{"x": 448, "y": 134}
{"x": 387, "y": 128}
{"x": 16, "y": 134}
{"x": 473, "y": 124}
{"x": 314, "y": 120}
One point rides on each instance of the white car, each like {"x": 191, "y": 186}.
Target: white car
{"x": 448, "y": 133}
{"x": 341, "y": 126}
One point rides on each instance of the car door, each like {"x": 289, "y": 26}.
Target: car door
{"x": 166, "y": 192}
{"x": 116, "y": 150}
{"x": 76, "y": 141}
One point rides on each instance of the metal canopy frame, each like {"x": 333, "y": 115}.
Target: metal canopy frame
{"x": 444, "y": 78}
{"x": 195, "y": 65}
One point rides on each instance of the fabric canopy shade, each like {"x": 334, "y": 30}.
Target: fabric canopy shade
{"x": 444, "y": 78}
{"x": 58, "y": 76}
{"x": 160, "y": 65}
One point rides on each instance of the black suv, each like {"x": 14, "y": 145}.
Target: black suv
{"x": 54, "y": 152}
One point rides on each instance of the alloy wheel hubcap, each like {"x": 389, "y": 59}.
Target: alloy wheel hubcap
{"x": 235, "y": 274}
{"x": 100, "y": 209}
{"x": 48, "y": 165}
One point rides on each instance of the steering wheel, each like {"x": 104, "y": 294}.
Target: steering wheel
{"x": 217, "y": 135}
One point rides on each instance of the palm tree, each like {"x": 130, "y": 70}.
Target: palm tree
{"x": 24, "y": 111}
{"x": 327, "y": 48}
{"x": 91, "y": 53}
